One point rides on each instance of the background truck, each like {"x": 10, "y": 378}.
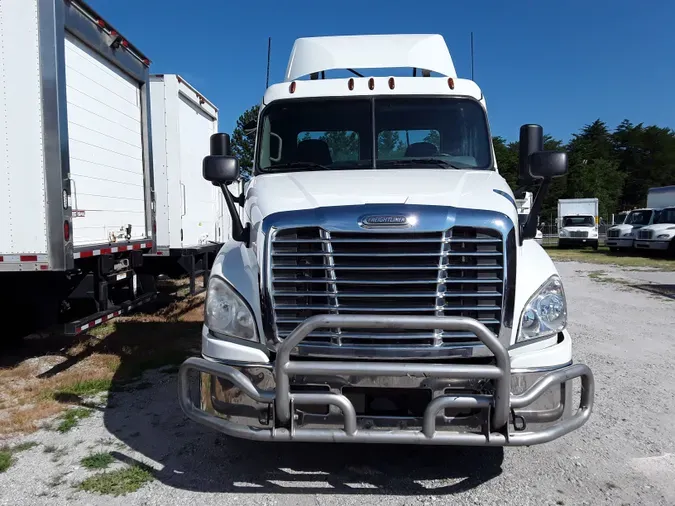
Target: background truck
{"x": 578, "y": 221}
{"x": 190, "y": 213}
{"x": 659, "y": 232}
{"x": 381, "y": 287}
{"x": 76, "y": 207}
{"x": 622, "y": 236}
{"x": 524, "y": 205}
{"x": 80, "y": 204}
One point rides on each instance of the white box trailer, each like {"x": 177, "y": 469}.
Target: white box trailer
{"x": 76, "y": 209}
{"x": 660, "y": 197}
{"x": 191, "y": 217}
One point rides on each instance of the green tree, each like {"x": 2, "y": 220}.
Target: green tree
{"x": 389, "y": 145}
{"x": 593, "y": 167}
{"x": 344, "y": 146}
{"x": 243, "y": 143}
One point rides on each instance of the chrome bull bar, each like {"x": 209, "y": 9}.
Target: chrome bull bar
{"x": 499, "y": 405}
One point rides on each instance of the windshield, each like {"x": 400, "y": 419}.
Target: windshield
{"x": 639, "y": 217}
{"x": 578, "y": 221}
{"x": 666, "y": 216}
{"x": 383, "y": 132}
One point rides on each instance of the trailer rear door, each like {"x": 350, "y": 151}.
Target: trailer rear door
{"x": 106, "y": 149}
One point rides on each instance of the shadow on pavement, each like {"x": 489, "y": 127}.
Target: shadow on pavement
{"x": 147, "y": 418}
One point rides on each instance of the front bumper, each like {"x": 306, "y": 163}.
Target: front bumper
{"x": 616, "y": 242}
{"x": 578, "y": 241}
{"x": 262, "y": 402}
{"x": 654, "y": 244}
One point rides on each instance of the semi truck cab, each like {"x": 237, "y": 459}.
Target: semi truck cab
{"x": 380, "y": 287}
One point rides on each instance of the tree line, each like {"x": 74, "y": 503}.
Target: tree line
{"x": 617, "y": 166}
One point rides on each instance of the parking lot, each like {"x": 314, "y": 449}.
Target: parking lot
{"x": 135, "y": 439}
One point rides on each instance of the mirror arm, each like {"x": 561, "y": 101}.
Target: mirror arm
{"x": 239, "y": 232}
{"x": 529, "y": 229}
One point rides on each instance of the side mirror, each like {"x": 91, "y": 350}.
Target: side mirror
{"x": 531, "y": 141}
{"x": 548, "y": 164}
{"x": 220, "y": 169}
{"x": 534, "y": 162}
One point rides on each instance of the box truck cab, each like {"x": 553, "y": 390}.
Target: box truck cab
{"x": 622, "y": 236}
{"x": 578, "y": 222}
{"x": 381, "y": 288}
{"x": 658, "y": 234}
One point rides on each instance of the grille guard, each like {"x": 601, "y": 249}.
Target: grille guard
{"x": 498, "y": 406}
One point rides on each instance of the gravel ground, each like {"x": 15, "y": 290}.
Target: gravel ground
{"x": 624, "y": 455}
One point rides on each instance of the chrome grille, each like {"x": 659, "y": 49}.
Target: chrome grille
{"x": 644, "y": 234}
{"x": 578, "y": 233}
{"x": 458, "y": 272}
{"x": 613, "y": 233}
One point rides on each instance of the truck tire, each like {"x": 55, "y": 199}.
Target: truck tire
{"x": 595, "y": 246}
{"x": 671, "y": 248}
{"x": 613, "y": 249}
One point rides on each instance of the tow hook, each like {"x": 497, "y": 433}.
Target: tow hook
{"x": 519, "y": 423}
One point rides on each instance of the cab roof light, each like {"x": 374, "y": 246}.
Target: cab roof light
{"x": 371, "y": 84}
{"x": 350, "y": 84}
{"x": 451, "y": 83}
{"x": 292, "y": 87}
{"x": 392, "y": 84}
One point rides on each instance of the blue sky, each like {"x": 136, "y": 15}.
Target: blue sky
{"x": 561, "y": 65}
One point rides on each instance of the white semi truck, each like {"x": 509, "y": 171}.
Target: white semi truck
{"x": 578, "y": 222}
{"x": 380, "y": 288}
{"x": 80, "y": 205}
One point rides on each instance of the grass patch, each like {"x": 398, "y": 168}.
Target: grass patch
{"x": 103, "y": 330}
{"x": 99, "y": 460}
{"x": 6, "y": 459}
{"x": 7, "y": 454}
{"x": 603, "y": 257}
{"x": 120, "y": 482}
{"x": 71, "y": 418}
{"x": 84, "y": 387}
{"x": 22, "y": 447}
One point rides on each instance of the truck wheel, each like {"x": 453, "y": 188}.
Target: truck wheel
{"x": 595, "y": 247}
{"x": 671, "y": 248}
{"x": 613, "y": 249}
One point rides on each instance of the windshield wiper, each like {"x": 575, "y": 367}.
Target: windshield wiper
{"x": 438, "y": 162}
{"x": 298, "y": 165}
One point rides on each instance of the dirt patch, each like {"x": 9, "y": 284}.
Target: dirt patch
{"x": 51, "y": 374}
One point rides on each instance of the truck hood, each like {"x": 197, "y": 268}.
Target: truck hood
{"x": 273, "y": 193}
{"x": 660, "y": 227}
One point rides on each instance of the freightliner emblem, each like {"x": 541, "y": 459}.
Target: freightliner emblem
{"x": 384, "y": 220}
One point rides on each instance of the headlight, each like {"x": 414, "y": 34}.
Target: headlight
{"x": 593, "y": 233}
{"x": 663, "y": 236}
{"x": 629, "y": 234}
{"x": 226, "y": 313}
{"x": 563, "y": 233}
{"x": 545, "y": 314}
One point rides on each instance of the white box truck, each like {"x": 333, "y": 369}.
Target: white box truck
{"x": 192, "y": 220}
{"x": 578, "y": 222}
{"x": 659, "y": 233}
{"x": 76, "y": 208}
{"x": 380, "y": 290}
